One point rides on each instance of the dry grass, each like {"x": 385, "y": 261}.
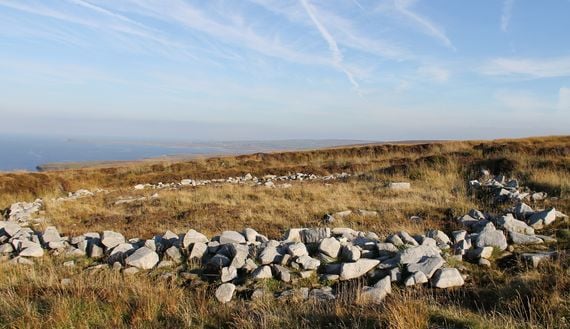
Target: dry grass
{"x": 505, "y": 296}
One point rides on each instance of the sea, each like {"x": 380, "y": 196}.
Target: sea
{"x": 30, "y": 153}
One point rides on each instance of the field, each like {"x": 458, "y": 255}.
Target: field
{"x": 507, "y": 295}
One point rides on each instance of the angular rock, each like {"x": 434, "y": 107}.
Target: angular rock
{"x": 354, "y": 270}
{"x": 314, "y": 235}
{"x": 225, "y": 292}
{"x": 416, "y": 278}
{"x": 428, "y": 266}
{"x": 322, "y": 294}
{"x": 32, "y": 250}
{"x": 509, "y": 223}
{"x": 282, "y": 273}
{"x": 308, "y": 263}
{"x": 231, "y": 237}
{"x": 51, "y": 235}
{"x": 262, "y": 272}
{"x": 350, "y": 253}
{"x": 447, "y": 278}
{"x": 416, "y": 254}
{"x": 330, "y": 247}
{"x": 376, "y": 294}
{"x": 143, "y": 258}
{"x": 228, "y": 274}
{"x": 192, "y": 237}
{"x": 297, "y": 249}
{"x": 269, "y": 255}
{"x": 399, "y": 186}
{"x": 492, "y": 238}
{"x": 199, "y": 249}
{"x": 524, "y": 239}
{"x": 542, "y": 218}
{"x": 112, "y": 239}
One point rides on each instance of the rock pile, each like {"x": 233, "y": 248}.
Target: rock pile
{"x": 503, "y": 189}
{"x": 267, "y": 180}
{"x": 22, "y": 212}
{"x": 243, "y": 258}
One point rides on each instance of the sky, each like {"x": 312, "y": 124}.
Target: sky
{"x": 285, "y": 69}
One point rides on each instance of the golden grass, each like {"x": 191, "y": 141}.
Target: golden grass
{"x": 504, "y": 296}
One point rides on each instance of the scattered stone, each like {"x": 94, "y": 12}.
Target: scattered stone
{"x": 297, "y": 249}
{"x": 416, "y": 278}
{"x": 228, "y": 274}
{"x": 262, "y": 272}
{"x": 192, "y": 237}
{"x": 231, "y": 237}
{"x": 330, "y": 247}
{"x": 225, "y": 292}
{"x": 400, "y": 186}
{"x": 112, "y": 239}
{"x": 542, "y": 218}
{"x": 377, "y": 293}
{"x": 534, "y": 259}
{"x": 447, "y": 278}
{"x": 354, "y": 270}
{"x": 143, "y": 258}
{"x": 493, "y": 238}
{"x": 428, "y": 266}
{"x": 524, "y": 239}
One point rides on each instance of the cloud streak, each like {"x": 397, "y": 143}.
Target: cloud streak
{"x": 528, "y": 68}
{"x": 333, "y": 46}
{"x": 506, "y": 14}
{"x": 426, "y": 26}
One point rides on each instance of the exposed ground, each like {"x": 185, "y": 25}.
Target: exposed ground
{"x": 506, "y": 296}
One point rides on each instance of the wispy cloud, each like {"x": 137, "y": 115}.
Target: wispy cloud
{"x": 434, "y": 73}
{"x": 528, "y": 68}
{"x": 335, "y": 51}
{"x": 404, "y": 7}
{"x": 523, "y": 101}
{"x": 564, "y": 99}
{"x": 506, "y": 14}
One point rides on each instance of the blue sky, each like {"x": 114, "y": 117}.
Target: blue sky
{"x": 282, "y": 69}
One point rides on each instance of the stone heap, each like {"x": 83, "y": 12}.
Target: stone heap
{"x": 504, "y": 189}
{"x": 239, "y": 259}
{"x": 23, "y": 212}
{"x": 267, "y": 180}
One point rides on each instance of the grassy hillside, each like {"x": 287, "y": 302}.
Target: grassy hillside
{"x": 506, "y": 295}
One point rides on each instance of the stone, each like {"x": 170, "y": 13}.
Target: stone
{"x": 282, "y": 273}
{"x": 294, "y": 294}
{"x": 416, "y": 254}
{"x": 51, "y": 235}
{"x": 523, "y": 211}
{"x": 231, "y": 237}
{"x": 354, "y": 270}
{"x": 174, "y": 254}
{"x": 350, "y": 253}
{"x": 524, "y": 239}
{"x": 484, "y": 262}
{"x": 262, "y": 272}
{"x": 476, "y": 214}
{"x": 367, "y": 213}
{"x": 94, "y": 250}
{"x": 438, "y": 236}
{"x": 306, "y": 274}
{"x": 342, "y": 214}
{"x": 269, "y": 255}
{"x": 192, "y": 237}
{"x": 395, "y": 240}
{"x": 293, "y": 235}
{"x": 322, "y": 294}
{"x": 228, "y": 274}
{"x": 308, "y": 263}
{"x": 534, "y": 259}
{"x": 330, "y": 247}
{"x": 219, "y": 261}
{"x": 225, "y": 292}
{"x": 199, "y": 249}
{"x": 297, "y": 249}
{"x": 491, "y": 238}
{"x": 165, "y": 263}
{"x": 509, "y": 223}
{"x": 416, "y": 278}
{"x": 407, "y": 238}
{"x": 399, "y": 186}
{"x": 250, "y": 234}
{"x": 328, "y": 219}
{"x": 11, "y": 228}
{"x": 386, "y": 248}
{"x": 314, "y": 235}
{"x": 112, "y": 239}
{"x": 32, "y": 250}
{"x": 428, "y": 266}
{"x": 447, "y": 278}
{"x": 21, "y": 261}
{"x": 482, "y": 252}
{"x": 542, "y": 218}
{"x": 143, "y": 258}
{"x": 459, "y": 235}
{"x": 377, "y": 293}
{"x": 69, "y": 263}
{"x": 6, "y": 248}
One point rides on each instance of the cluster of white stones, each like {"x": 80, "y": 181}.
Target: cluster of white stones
{"x": 505, "y": 189}
{"x": 267, "y": 180}
{"x": 241, "y": 258}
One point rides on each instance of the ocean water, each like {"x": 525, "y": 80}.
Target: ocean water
{"x": 28, "y": 152}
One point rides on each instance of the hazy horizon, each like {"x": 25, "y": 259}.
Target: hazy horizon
{"x": 288, "y": 69}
